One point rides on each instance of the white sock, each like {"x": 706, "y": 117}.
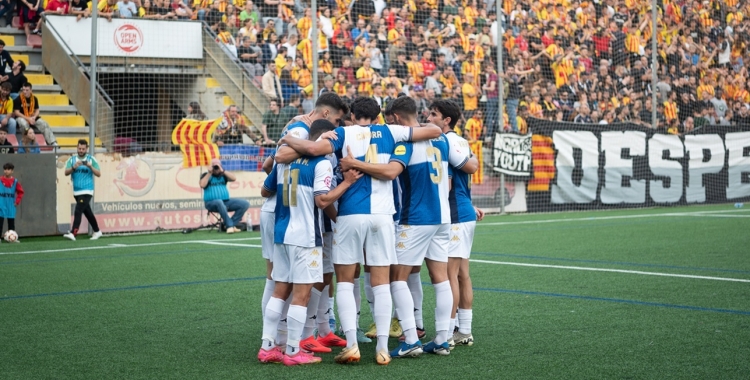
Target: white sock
{"x": 415, "y": 287}
{"x": 267, "y": 292}
{"x": 281, "y": 332}
{"x": 464, "y": 318}
{"x": 323, "y": 314}
{"x": 347, "y": 311}
{"x": 296, "y": 322}
{"x": 368, "y": 294}
{"x": 312, "y": 311}
{"x": 357, "y": 298}
{"x": 330, "y": 306}
{"x": 271, "y": 318}
{"x": 452, "y": 326}
{"x": 383, "y": 302}
{"x": 405, "y": 305}
{"x": 443, "y": 306}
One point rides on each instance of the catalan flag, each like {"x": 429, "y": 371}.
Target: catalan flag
{"x": 543, "y": 159}
{"x": 194, "y": 139}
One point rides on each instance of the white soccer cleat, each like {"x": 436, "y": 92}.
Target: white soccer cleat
{"x": 96, "y": 235}
{"x": 70, "y": 236}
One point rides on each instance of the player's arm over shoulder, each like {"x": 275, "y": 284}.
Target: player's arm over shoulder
{"x": 269, "y": 185}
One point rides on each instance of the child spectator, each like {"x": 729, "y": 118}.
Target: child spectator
{"x": 11, "y": 193}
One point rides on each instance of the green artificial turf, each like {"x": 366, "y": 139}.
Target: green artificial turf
{"x": 127, "y": 308}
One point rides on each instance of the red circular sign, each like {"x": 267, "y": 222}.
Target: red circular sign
{"x": 128, "y": 38}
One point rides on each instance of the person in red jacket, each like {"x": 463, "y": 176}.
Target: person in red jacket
{"x": 11, "y": 193}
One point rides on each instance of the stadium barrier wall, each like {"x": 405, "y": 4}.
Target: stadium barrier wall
{"x": 150, "y": 192}
{"x": 36, "y": 214}
{"x": 131, "y": 37}
{"x": 580, "y": 166}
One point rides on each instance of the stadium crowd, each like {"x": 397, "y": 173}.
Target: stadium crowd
{"x": 565, "y": 60}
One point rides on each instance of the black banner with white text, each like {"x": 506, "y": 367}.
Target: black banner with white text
{"x": 583, "y": 166}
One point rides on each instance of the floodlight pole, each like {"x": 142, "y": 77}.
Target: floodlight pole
{"x": 92, "y": 79}
{"x": 315, "y": 38}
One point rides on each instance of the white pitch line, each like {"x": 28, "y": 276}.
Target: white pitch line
{"x": 595, "y": 218}
{"x": 121, "y": 246}
{"x": 720, "y": 216}
{"x": 211, "y": 242}
{"x": 613, "y": 270}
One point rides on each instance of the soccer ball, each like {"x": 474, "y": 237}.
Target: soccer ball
{"x": 10, "y": 236}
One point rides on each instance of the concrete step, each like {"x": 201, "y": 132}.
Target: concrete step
{"x": 72, "y": 150}
{"x": 56, "y": 89}
{"x": 53, "y": 99}
{"x": 33, "y": 69}
{"x": 65, "y": 120}
{"x": 39, "y": 79}
{"x": 57, "y": 109}
{"x": 13, "y": 50}
{"x": 73, "y": 141}
{"x": 77, "y": 131}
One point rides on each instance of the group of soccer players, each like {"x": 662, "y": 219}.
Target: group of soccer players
{"x": 386, "y": 197}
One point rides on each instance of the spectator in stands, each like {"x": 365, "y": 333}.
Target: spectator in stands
{"x": 160, "y": 10}
{"x": 470, "y": 95}
{"x": 6, "y": 61}
{"x": 108, "y": 8}
{"x": 584, "y": 115}
{"x": 54, "y": 7}
{"x": 5, "y": 146}
{"x": 214, "y": 15}
{"x": 273, "y": 122}
{"x": 29, "y": 15}
{"x": 271, "y": 84}
{"x": 271, "y": 12}
{"x": 288, "y": 86}
{"x": 28, "y": 142}
{"x": 289, "y": 111}
{"x": 7, "y": 122}
{"x": 128, "y": 9}
{"x": 26, "y": 111}
{"x": 231, "y": 128}
{"x": 194, "y": 112}
{"x": 17, "y": 78}
{"x": 251, "y": 56}
{"x": 180, "y": 9}
{"x": 79, "y": 8}
{"x": 250, "y": 13}
{"x": 216, "y": 196}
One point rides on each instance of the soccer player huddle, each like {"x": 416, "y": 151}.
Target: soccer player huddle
{"x": 383, "y": 198}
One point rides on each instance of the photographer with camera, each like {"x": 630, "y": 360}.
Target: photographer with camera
{"x": 216, "y": 196}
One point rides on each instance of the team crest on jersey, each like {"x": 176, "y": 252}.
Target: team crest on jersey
{"x": 313, "y": 264}
{"x": 327, "y": 181}
{"x": 403, "y": 235}
{"x": 315, "y": 253}
{"x": 455, "y": 238}
{"x": 400, "y": 150}
{"x": 400, "y": 245}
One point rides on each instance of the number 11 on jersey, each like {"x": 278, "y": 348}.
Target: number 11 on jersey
{"x": 290, "y": 197}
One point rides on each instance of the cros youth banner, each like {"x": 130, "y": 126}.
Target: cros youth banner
{"x": 579, "y": 166}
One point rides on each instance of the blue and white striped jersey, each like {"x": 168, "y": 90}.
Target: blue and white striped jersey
{"x": 424, "y": 182}
{"x": 338, "y": 177}
{"x": 460, "y": 195}
{"x": 296, "y": 185}
{"x": 82, "y": 177}
{"x": 373, "y": 144}
{"x": 297, "y": 129}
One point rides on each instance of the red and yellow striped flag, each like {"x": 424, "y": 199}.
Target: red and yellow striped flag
{"x": 194, "y": 139}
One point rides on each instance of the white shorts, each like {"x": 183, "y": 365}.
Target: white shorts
{"x": 415, "y": 243}
{"x": 267, "y": 221}
{"x": 462, "y": 237}
{"x": 297, "y": 265}
{"x": 373, "y": 233}
{"x": 327, "y": 252}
